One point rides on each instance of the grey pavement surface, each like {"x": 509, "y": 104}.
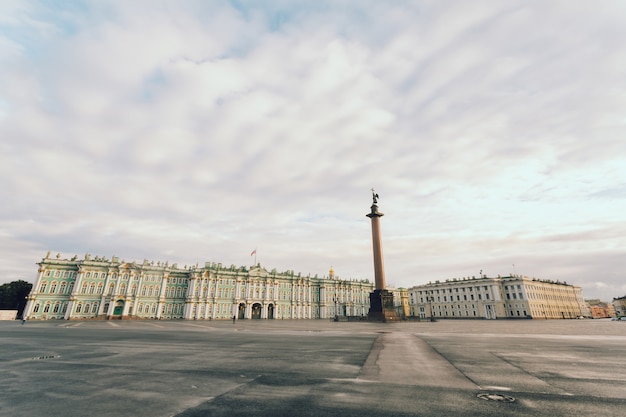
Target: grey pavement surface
{"x": 313, "y": 368}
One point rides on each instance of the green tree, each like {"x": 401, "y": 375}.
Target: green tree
{"x": 13, "y": 296}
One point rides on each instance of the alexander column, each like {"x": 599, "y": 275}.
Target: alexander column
{"x": 381, "y": 300}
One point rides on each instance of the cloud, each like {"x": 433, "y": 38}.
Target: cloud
{"x": 492, "y": 131}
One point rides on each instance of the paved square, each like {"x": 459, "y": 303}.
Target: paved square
{"x": 313, "y": 368}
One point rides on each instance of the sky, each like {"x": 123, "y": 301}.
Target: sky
{"x": 494, "y": 133}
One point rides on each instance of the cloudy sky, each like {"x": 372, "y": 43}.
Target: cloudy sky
{"x": 193, "y": 131}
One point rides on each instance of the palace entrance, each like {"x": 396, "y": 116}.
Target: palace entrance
{"x": 270, "y": 311}
{"x": 241, "y": 313}
{"x": 256, "y": 311}
{"x": 118, "y": 309}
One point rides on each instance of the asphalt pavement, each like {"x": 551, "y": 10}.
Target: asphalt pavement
{"x": 313, "y": 368}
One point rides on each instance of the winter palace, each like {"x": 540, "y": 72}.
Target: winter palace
{"x": 99, "y": 288}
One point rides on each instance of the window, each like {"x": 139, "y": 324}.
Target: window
{"x": 36, "y": 308}
{"x": 92, "y": 288}
{"x": 43, "y": 286}
{"x": 46, "y": 308}
{"x": 84, "y": 289}
{"x": 56, "y": 308}
{"x": 79, "y": 308}
{"x": 53, "y": 287}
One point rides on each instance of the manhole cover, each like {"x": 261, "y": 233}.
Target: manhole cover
{"x": 496, "y": 397}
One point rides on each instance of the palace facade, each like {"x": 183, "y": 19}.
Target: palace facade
{"x": 99, "y": 288}
{"x": 509, "y": 297}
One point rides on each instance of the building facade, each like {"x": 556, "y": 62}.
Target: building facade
{"x": 497, "y": 298}
{"x": 99, "y": 288}
{"x": 600, "y": 309}
{"x": 619, "y": 305}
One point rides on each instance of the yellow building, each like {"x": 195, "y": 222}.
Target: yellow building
{"x": 495, "y": 298}
{"x": 619, "y": 304}
{"x": 98, "y": 288}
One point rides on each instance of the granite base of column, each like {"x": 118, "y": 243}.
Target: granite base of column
{"x": 381, "y": 307}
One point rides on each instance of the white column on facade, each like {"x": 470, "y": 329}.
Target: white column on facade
{"x": 33, "y": 294}
{"x": 161, "y": 304}
{"x": 77, "y": 284}
{"x": 104, "y": 294}
{"x": 126, "y": 307}
{"x": 238, "y": 288}
{"x": 111, "y": 308}
{"x": 248, "y": 288}
{"x": 116, "y": 289}
{"x": 188, "y": 310}
{"x": 131, "y": 278}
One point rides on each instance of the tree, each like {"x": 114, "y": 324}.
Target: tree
{"x": 13, "y": 296}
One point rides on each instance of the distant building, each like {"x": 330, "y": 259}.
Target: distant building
{"x": 497, "y": 298}
{"x": 600, "y": 309}
{"x": 619, "y": 304}
{"x": 401, "y": 301}
{"x": 98, "y": 288}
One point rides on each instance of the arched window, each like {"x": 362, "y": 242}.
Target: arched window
{"x": 46, "y": 308}
{"x": 63, "y": 287}
{"x": 36, "y": 308}
{"x": 56, "y": 308}
{"x": 79, "y": 307}
{"x": 42, "y": 287}
{"x": 84, "y": 289}
{"x": 150, "y": 291}
{"x": 53, "y": 287}
{"x": 143, "y": 290}
{"x": 100, "y": 288}
{"x": 111, "y": 288}
{"x": 94, "y": 308}
{"x": 92, "y": 288}
{"x": 134, "y": 289}
{"x": 87, "y": 306}
{"x": 71, "y": 287}
{"x": 123, "y": 289}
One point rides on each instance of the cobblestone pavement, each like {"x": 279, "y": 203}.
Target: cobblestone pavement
{"x": 313, "y": 368}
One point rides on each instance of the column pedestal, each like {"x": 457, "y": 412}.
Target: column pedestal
{"x": 381, "y": 307}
